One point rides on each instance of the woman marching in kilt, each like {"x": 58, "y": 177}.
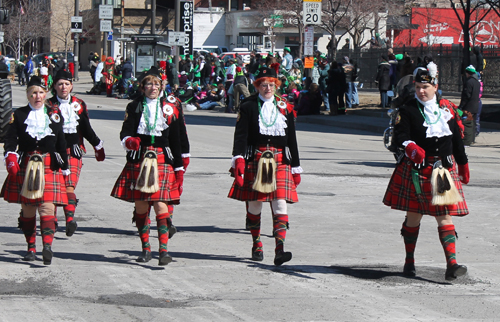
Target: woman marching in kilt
{"x": 35, "y": 151}
{"x": 153, "y": 174}
{"x": 185, "y": 147}
{"x": 266, "y": 161}
{"x": 76, "y": 127}
{"x": 428, "y": 180}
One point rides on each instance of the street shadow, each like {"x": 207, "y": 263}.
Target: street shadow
{"x": 10, "y": 230}
{"x": 371, "y": 164}
{"x": 209, "y": 229}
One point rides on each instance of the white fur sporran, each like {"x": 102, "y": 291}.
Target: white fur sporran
{"x": 265, "y": 180}
{"x": 34, "y": 178}
{"x": 148, "y": 180}
{"x": 444, "y": 191}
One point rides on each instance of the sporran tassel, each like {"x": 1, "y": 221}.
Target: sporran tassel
{"x": 444, "y": 190}
{"x": 265, "y": 180}
{"x": 149, "y": 172}
{"x": 30, "y": 179}
{"x": 34, "y": 180}
{"x": 37, "y": 178}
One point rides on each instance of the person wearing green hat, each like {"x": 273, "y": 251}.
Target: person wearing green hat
{"x": 287, "y": 59}
{"x": 469, "y": 104}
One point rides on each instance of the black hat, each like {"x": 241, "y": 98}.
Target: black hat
{"x": 63, "y": 74}
{"x": 266, "y": 72}
{"x": 153, "y": 71}
{"x": 36, "y": 81}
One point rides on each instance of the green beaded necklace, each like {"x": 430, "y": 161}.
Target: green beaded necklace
{"x": 425, "y": 117}
{"x": 262, "y": 117}
{"x": 145, "y": 113}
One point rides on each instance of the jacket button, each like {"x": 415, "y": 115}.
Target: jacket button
{"x": 437, "y": 149}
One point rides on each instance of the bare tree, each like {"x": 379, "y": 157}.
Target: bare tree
{"x": 29, "y": 21}
{"x": 469, "y": 8}
{"x": 362, "y": 16}
{"x": 61, "y": 24}
{"x": 277, "y": 15}
{"x": 335, "y": 14}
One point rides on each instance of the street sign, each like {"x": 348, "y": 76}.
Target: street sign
{"x": 110, "y": 36}
{"x": 106, "y": 26}
{"x": 176, "y": 38}
{"x": 308, "y": 40}
{"x": 76, "y": 24}
{"x": 311, "y": 13}
{"x": 106, "y": 11}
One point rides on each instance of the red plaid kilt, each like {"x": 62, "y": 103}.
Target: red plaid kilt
{"x": 54, "y": 190}
{"x": 400, "y": 193}
{"x": 124, "y": 185}
{"x": 75, "y": 166}
{"x": 284, "y": 181}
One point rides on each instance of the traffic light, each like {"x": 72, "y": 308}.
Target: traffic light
{"x": 4, "y": 16}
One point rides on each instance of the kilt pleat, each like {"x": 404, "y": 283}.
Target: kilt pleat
{"x": 54, "y": 189}
{"x": 125, "y": 184}
{"x": 286, "y": 189}
{"x": 400, "y": 193}
{"x": 75, "y": 166}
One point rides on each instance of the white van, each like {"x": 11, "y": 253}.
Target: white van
{"x": 212, "y": 49}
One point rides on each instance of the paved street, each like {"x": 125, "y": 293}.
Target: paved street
{"x": 347, "y": 249}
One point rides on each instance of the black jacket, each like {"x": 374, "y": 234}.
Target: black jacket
{"x": 170, "y": 139}
{"x": 84, "y": 129}
{"x": 470, "y": 95}
{"x": 383, "y": 76}
{"x": 410, "y": 127}
{"x": 17, "y": 138}
{"x": 247, "y": 136}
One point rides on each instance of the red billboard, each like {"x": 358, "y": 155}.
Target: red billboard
{"x": 441, "y": 26}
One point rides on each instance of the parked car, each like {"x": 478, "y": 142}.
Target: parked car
{"x": 37, "y": 59}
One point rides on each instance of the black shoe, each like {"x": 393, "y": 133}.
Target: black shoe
{"x": 144, "y": 257}
{"x": 71, "y": 228}
{"x": 454, "y": 271}
{"x": 30, "y": 256}
{"x": 257, "y": 255}
{"x": 47, "y": 255}
{"x": 171, "y": 231}
{"x": 409, "y": 270}
{"x": 165, "y": 258}
{"x": 282, "y": 257}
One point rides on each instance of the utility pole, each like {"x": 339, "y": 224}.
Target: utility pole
{"x": 177, "y": 28}
{"x": 122, "y": 28}
{"x": 76, "y": 51}
{"x": 153, "y": 17}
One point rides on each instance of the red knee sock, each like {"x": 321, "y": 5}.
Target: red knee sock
{"x": 142, "y": 224}
{"x": 48, "y": 228}
{"x": 254, "y": 226}
{"x": 162, "y": 225}
{"x": 447, "y": 235}
{"x": 280, "y": 223}
{"x": 410, "y": 235}
{"x": 28, "y": 226}
{"x": 69, "y": 209}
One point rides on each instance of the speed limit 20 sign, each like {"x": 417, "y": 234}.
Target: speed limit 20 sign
{"x": 312, "y": 12}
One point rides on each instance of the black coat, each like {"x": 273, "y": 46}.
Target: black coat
{"x": 247, "y": 135}
{"x": 383, "y": 76}
{"x": 409, "y": 127}
{"x": 17, "y": 137}
{"x": 470, "y": 95}
{"x": 84, "y": 129}
{"x": 168, "y": 141}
